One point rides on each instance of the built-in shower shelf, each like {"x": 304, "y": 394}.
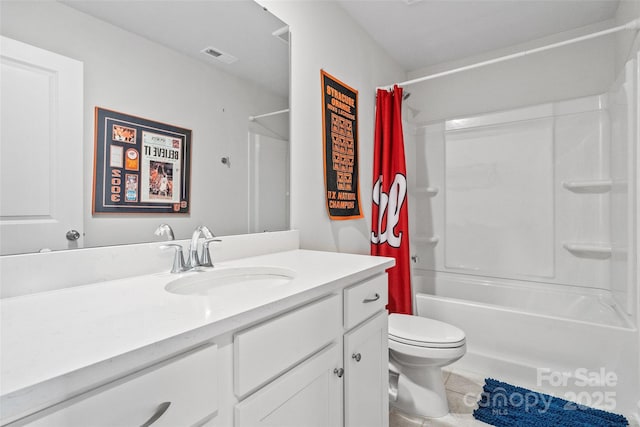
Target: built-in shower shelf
{"x": 433, "y": 240}
{"x": 594, "y": 186}
{"x": 429, "y": 191}
{"x": 588, "y": 250}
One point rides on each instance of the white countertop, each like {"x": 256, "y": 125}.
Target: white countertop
{"x": 59, "y": 343}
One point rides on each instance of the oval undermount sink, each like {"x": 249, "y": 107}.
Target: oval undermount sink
{"x": 242, "y": 278}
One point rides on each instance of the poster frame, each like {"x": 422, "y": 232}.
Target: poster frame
{"x": 140, "y": 166}
{"x": 339, "y": 200}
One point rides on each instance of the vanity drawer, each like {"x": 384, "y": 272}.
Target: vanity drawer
{"x": 364, "y": 300}
{"x": 188, "y": 383}
{"x": 271, "y": 348}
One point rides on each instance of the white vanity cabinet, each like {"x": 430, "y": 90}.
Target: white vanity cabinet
{"x": 311, "y": 352}
{"x": 324, "y": 364}
{"x": 292, "y": 361}
{"x": 182, "y": 391}
{"x": 366, "y": 374}
{"x": 366, "y": 356}
{"x": 269, "y": 349}
{"x": 310, "y": 395}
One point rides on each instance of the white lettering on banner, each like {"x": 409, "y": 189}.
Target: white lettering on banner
{"x": 389, "y": 205}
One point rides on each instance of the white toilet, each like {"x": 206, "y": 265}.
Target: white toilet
{"x": 418, "y": 349}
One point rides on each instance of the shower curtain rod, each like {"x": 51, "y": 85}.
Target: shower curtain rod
{"x": 252, "y": 118}
{"x": 633, "y": 25}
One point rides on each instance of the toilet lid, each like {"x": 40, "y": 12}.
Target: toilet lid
{"x": 420, "y": 331}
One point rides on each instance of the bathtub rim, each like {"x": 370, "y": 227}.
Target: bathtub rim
{"x": 537, "y": 285}
{"x": 418, "y": 295}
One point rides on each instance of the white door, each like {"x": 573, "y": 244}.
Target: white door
{"x": 366, "y": 365}
{"x": 268, "y": 183}
{"x": 40, "y": 149}
{"x": 307, "y": 396}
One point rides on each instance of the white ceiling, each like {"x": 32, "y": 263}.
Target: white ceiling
{"x": 241, "y": 28}
{"x": 418, "y": 34}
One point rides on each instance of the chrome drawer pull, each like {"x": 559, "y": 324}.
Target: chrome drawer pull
{"x": 375, "y": 298}
{"x": 339, "y": 372}
{"x": 159, "y": 412}
{"x": 356, "y": 356}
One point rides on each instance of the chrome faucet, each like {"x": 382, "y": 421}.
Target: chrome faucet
{"x": 194, "y": 259}
{"x": 164, "y": 229}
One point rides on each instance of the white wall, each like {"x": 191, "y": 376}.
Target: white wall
{"x": 628, "y": 10}
{"x": 323, "y": 36}
{"x": 570, "y": 72}
{"x": 127, "y": 73}
{"x": 628, "y": 44}
{"x": 635, "y": 237}
{"x": 268, "y": 183}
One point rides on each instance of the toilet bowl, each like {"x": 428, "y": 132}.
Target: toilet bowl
{"x": 418, "y": 348}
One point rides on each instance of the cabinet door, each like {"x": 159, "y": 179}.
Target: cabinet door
{"x": 309, "y": 395}
{"x": 366, "y": 374}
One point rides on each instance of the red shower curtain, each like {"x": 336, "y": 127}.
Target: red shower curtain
{"x": 389, "y": 213}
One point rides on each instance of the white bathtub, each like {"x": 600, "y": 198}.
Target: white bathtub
{"x": 515, "y": 328}
{"x": 562, "y": 302}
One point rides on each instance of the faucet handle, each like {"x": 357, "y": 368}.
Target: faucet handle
{"x": 178, "y": 260}
{"x": 164, "y": 229}
{"x": 207, "y": 259}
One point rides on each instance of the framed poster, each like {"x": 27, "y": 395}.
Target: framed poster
{"x": 340, "y": 140}
{"x": 140, "y": 166}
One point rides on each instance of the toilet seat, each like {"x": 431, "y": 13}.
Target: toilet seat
{"x": 422, "y": 332}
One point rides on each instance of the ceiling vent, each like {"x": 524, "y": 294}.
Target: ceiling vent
{"x": 282, "y": 34}
{"x": 219, "y": 55}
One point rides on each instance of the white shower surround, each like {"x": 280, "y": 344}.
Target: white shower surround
{"x": 576, "y": 308}
{"x": 525, "y": 194}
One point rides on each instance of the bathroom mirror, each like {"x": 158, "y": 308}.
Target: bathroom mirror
{"x": 218, "y": 68}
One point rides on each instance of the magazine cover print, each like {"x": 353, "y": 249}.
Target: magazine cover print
{"x": 140, "y": 166}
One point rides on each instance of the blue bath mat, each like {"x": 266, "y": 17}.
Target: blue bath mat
{"x": 505, "y": 405}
